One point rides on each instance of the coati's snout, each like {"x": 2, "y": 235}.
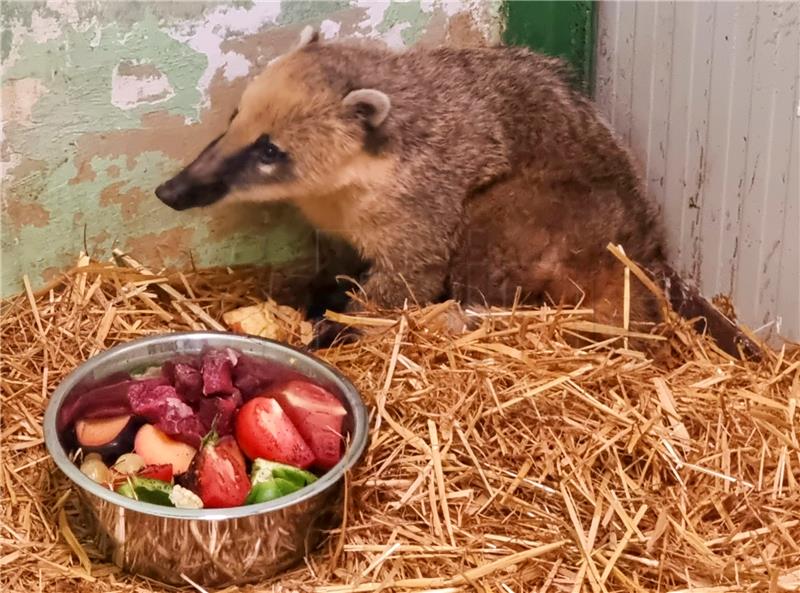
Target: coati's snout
{"x": 199, "y": 184}
{"x": 217, "y": 172}
{"x": 300, "y": 131}
{"x": 182, "y": 193}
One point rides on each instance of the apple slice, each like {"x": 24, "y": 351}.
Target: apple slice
{"x": 109, "y": 437}
{"x": 156, "y": 448}
{"x": 318, "y": 416}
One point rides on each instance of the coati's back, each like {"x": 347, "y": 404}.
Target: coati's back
{"x": 482, "y": 114}
{"x": 440, "y": 96}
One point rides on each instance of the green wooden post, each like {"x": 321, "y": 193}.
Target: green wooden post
{"x": 559, "y": 28}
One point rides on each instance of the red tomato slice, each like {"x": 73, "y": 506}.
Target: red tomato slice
{"x": 318, "y": 416}
{"x": 161, "y": 472}
{"x": 264, "y": 430}
{"x": 222, "y": 475}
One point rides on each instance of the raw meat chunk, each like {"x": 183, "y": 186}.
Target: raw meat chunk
{"x": 217, "y": 372}
{"x": 102, "y": 401}
{"x": 187, "y": 380}
{"x": 223, "y": 409}
{"x": 161, "y": 406}
{"x": 252, "y": 376}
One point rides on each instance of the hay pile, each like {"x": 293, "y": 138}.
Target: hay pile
{"x": 501, "y": 460}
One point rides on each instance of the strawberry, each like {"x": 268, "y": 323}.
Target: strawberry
{"x": 318, "y": 416}
{"x": 220, "y": 473}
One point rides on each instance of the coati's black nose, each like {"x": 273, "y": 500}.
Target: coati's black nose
{"x": 172, "y": 193}
{"x": 183, "y": 192}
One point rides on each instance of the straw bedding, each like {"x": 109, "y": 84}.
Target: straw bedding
{"x": 506, "y": 458}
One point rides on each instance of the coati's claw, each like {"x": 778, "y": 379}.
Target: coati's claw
{"x": 331, "y": 333}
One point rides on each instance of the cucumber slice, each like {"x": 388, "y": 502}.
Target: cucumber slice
{"x": 145, "y": 372}
{"x": 147, "y": 490}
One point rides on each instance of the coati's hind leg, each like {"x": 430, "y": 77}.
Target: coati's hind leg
{"x": 547, "y": 235}
{"x": 603, "y": 290}
{"x": 608, "y": 300}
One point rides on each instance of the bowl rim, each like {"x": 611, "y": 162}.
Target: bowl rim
{"x": 351, "y": 457}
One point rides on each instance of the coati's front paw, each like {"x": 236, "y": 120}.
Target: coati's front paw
{"x": 329, "y": 333}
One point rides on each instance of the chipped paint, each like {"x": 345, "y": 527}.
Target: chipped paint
{"x": 104, "y": 100}
{"x": 21, "y": 215}
{"x": 398, "y": 21}
{"x": 19, "y": 97}
{"x": 329, "y": 29}
{"x": 134, "y": 84}
{"x": 206, "y": 35}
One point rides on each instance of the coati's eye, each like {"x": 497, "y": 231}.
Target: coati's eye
{"x": 268, "y": 154}
{"x": 266, "y": 151}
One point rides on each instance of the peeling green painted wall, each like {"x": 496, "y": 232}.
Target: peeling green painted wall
{"x": 101, "y": 101}
{"x": 563, "y": 28}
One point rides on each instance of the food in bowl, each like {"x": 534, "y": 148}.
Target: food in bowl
{"x": 214, "y": 548}
{"x": 216, "y": 430}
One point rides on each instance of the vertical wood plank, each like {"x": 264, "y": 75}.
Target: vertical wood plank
{"x": 706, "y": 94}
{"x": 727, "y": 146}
{"x": 770, "y": 136}
{"x": 604, "y": 89}
{"x": 621, "y": 118}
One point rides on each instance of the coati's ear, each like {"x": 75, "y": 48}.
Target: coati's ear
{"x": 308, "y": 36}
{"x": 371, "y": 105}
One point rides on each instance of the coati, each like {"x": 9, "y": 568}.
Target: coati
{"x": 456, "y": 173}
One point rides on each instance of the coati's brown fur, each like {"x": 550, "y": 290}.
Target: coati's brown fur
{"x": 488, "y": 172}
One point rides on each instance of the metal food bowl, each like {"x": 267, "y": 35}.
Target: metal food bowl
{"x": 211, "y": 547}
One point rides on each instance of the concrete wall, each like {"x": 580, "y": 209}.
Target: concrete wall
{"x": 103, "y": 100}
{"x": 707, "y": 94}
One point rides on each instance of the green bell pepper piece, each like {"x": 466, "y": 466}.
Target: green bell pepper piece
{"x": 147, "y": 490}
{"x": 270, "y": 490}
{"x": 271, "y": 480}
{"x": 264, "y": 470}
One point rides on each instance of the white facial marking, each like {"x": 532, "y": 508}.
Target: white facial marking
{"x": 266, "y": 169}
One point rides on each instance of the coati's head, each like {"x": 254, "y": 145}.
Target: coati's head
{"x": 298, "y": 131}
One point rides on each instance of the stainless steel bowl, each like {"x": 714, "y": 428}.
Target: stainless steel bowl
{"x": 212, "y": 547}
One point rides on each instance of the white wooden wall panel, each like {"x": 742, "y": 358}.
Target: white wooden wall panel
{"x": 706, "y": 94}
